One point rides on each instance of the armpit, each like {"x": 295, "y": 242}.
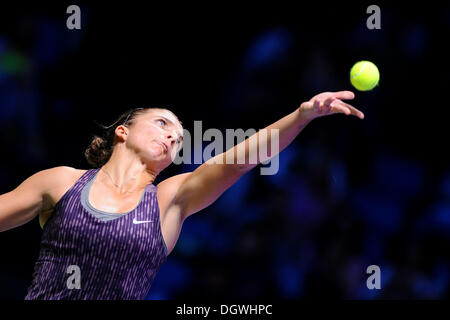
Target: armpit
{"x": 43, "y": 217}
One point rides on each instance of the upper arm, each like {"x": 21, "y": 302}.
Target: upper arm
{"x": 32, "y": 196}
{"x": 194, "y": 191}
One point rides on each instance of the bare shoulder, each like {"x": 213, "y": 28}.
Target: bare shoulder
{"x": 58, "y": 176}
{"x": 63, "y": 170}
{"x": 168, "y": 188}
{"x": 57, "y": 181}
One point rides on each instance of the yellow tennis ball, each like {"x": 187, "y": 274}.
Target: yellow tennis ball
{"x": 364, "y": 75}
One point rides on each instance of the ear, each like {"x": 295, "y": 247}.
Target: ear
{"x": 122, "y": 132}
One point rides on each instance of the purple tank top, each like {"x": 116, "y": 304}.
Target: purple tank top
{"x": 115, "y": 259}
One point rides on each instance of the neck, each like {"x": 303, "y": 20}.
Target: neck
{"x": 127, "y": 172}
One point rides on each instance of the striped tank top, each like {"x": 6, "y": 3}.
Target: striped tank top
{"x": 86, "y": 258}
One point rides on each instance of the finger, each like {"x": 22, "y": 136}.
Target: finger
{"x": 316, "y": 105}
{"x": 352, "y": 109}
{"x": 324, "y": 108}
{"x": 345, "y": 95}
{"x": 338, "y": 108}
{"x": 330, "y": 106}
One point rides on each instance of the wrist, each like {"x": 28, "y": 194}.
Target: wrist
{"x": 303, "y": 116}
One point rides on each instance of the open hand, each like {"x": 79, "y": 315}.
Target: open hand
{"x": 329, "y": 103}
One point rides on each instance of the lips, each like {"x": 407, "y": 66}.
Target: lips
{"x": 163, "y": 145}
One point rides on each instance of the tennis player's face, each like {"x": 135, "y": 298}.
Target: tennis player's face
{"x": 156, "y": 135}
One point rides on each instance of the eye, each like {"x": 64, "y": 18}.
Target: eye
{"x": 164, "y": 123}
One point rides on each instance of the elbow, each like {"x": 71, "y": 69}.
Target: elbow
{"x": 3, "y": 225}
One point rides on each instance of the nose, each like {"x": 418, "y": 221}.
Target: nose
{"x": 171, "y": 137}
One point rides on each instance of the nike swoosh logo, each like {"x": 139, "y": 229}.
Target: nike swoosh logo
{"x": 143, "y": 221}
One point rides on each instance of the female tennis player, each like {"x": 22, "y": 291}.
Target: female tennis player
{"x": 108, "y": 230}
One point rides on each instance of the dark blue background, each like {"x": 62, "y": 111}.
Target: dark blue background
{"x": 349, "y": 193}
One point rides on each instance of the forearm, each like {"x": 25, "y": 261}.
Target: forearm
{"x": 217, "y": 174}
{"x": 265, "y": 143}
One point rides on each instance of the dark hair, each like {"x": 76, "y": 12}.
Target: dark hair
{"x": 101, "y": 147}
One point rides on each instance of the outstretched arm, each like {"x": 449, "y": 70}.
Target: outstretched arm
{"x": 200, "y": 188}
